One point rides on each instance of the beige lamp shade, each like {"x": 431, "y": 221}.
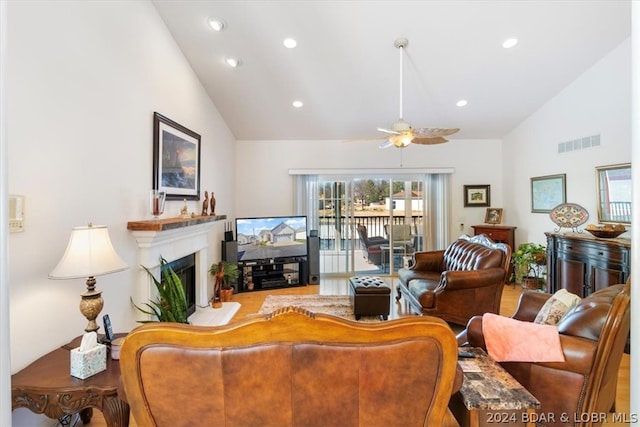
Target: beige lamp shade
{"x": 89, "y": 253}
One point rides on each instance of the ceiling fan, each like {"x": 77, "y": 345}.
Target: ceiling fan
{"x": 401, "y": 133}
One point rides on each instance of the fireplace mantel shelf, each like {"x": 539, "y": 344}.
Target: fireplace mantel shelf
{"x": 172, "y": 223}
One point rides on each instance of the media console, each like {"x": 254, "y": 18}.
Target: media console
{"x": 272, "y": 273}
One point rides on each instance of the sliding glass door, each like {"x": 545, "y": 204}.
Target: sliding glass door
{"x": 369, "y": 225}
{"x": 373, "y": 225}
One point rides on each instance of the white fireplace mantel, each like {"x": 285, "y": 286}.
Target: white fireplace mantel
{"x": 173, "y": 239}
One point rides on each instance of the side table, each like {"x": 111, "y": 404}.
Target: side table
{"x": 492, "y": 396}
{"x": 47, "y": 387}
{"x": 385, "y": 251}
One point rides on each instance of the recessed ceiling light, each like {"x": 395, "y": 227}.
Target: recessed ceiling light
{"x": 232, "y": 62}
{"x": 461, "y": 103}
{"x": 509, "y": 43}
{"x": 290, "y": 43}
{"x": 217, "y": 24}
{"x": 297, "y": 104}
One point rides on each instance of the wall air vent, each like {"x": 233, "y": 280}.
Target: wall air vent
{"x": 579, "y": 144}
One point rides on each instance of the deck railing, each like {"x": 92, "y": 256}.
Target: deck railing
{"x": 334, "y": 229}
{"x": 619, "y": 211}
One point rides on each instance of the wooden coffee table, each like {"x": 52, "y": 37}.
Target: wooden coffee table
{"x": 492, "y": 396}
{"x": 47, "y": 387}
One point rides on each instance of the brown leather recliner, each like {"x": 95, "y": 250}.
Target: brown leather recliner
{"x": 455, "y": 284}
{"x": 593, "y": 338}
{"x": 291, "y": 368}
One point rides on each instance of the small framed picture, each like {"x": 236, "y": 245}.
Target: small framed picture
{"x": 547, "y": 192}
{"x": 477, "y": 195}
{"x": 493, "y": 216}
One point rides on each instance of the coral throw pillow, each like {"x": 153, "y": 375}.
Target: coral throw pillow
{"x": 556, "y": 307}
{"x": 511, "y": 340}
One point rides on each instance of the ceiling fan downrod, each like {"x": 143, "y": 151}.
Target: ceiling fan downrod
{"x": 401, "y": 43}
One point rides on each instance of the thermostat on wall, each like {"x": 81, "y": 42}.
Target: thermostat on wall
{"x": 16, "y": 214}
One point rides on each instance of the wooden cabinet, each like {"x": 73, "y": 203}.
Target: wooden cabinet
{"x": 498, "y": 233}
{"x": 583, "y": 264}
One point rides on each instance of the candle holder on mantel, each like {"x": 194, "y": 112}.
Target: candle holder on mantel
{"x": 156, "y": 203}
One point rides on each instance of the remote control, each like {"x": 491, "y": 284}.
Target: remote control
{"x": 107, "y": 328}
{"x": 466, "y": 354}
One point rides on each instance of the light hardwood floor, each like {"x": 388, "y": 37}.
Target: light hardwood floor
{"x": 251, "y": 302}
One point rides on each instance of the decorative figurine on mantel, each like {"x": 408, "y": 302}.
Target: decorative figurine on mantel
{"x": 205, "y": 203}
{"x": 213, "y": 204}
{"x": 184, "y": 212}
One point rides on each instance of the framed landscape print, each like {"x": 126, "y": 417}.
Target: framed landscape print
{"x": 176, "y": 159}
{"x": 477, "y": 195}
{"x": 548, "y": 192}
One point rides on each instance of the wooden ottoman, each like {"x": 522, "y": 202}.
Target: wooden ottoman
{"x": 369, "y": 296}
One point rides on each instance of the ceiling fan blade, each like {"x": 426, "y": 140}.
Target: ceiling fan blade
{"x": 388, "y": 143}
{"x": 434, "y": 132}
{"x": 389, "y": 131}
{"x": 429, "y": 141}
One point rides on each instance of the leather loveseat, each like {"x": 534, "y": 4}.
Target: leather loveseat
{"x": 291, "y": 368}
{"x": 457, "y": 283}
{"x": 593, "y": 336}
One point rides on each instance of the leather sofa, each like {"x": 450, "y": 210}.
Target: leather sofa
{"x": 455, "y": 284}
{"x": 593, "y": 337}
{"x": 291, "y": 368}
{"x": 371, "y": 245}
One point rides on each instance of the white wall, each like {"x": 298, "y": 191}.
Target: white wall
{"x": 598, "y": 102}
{"x": 265, "y": 188}
{"x": 83, "y": 80}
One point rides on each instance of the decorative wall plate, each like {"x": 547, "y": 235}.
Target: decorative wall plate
{"x": 569, "y": 215}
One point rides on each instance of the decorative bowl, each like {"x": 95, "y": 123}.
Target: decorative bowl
{"x": 606, "y": 234}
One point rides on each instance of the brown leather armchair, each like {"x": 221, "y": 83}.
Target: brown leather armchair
{"x": 455, "y": 284}
{"x": 291, "y": 368}
{"x": 593, "y": 337}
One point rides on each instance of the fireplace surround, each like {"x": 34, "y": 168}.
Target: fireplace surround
{"x": 173, "y": 239}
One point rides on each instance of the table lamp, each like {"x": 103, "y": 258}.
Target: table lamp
{"x": 89, "y": 254}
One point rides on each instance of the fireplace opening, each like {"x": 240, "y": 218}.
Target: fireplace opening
{"x": 185, "y": 269}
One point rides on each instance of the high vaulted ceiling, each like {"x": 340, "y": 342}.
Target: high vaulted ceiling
{"x": 345, "y": 68}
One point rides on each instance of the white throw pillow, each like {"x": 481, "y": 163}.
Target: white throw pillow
{"x": 556, "y": 307}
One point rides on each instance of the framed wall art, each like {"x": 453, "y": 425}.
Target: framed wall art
{"x": 493, "y": 216}
{"x": 176, "y": 159}
{"x": 477, "y": 195}
{"x": 548, "y": 192}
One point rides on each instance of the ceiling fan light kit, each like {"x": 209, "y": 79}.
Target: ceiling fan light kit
{"x": 402, "y": 134}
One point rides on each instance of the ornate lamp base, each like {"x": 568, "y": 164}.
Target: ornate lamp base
{"x": 91, "y": 304}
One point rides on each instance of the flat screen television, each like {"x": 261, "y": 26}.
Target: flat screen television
{"x": 269, "y": 238}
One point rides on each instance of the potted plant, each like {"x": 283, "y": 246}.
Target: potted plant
{"x": 225, "y": 273}
{"x": 528, "y": 264}
{"x": 171, "y": 305}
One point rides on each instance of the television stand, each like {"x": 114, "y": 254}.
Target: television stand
{"x": 272, "y": 273}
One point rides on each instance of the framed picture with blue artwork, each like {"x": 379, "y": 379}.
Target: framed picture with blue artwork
{"x": 547, "y": 192}
{"x": 176, "y": 159}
